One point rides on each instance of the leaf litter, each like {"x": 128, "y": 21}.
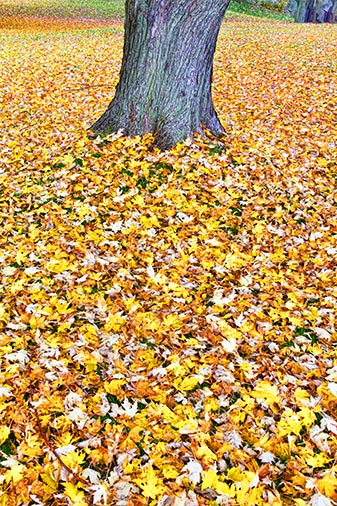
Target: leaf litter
{"x": 168, "y": 320}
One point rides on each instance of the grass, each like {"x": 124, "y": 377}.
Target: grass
{"x": 256, "y": 10}
{"x": 63, "y": 8}
{"x": 108, "y": 9}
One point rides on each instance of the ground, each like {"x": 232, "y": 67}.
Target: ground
{"x": 168, "y": 319}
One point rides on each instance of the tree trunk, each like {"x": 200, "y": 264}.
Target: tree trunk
{"x": 315, "y": 11}
{"x": 291, "y": 7}
{"x": 165, "y": 79}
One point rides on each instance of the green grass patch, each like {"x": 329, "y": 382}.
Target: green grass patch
{"x": 109, "y": 9}
{"x": 246, "y": 9}
{"x": 63, "y": 8}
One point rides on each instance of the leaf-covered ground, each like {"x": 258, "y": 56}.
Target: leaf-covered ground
{"x": 168, "y": 320}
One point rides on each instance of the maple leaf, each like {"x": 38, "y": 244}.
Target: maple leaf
{"x": 48, "y": 477}
{"x": 15, "y": 473}
{"x": 4, "y": 433}
{"x": 328, "y": 485}
{"x": 76, "y": 495}
{"x": 128, "y": 408}
{"x": 115, "y": 322}
{"x": 150, "y": 484}
{"x": 4, "y": 316}
{"x": 194, "y": 470}
{"x": 100, "y": 493}
{"x": 317, "y": 460}
{"x": 189, "y": 383}
{"x": 204, "y": 453}
{"x": 210, "y": 479}
{"x": 320, "y": 500}
{"x": 173, "y": 322}
{"x": 266, "y": 392}
{"x": 60, "y": 265}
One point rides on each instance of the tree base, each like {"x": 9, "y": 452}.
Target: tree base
{"x": 166, "y": 135}
{"x": 166, "y": 75}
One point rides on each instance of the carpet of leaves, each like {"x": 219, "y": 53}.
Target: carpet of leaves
{"x": 168, "y": 320}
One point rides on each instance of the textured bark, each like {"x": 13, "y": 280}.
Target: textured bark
{"x": 166, "y": 74}
{"x": 314, "y": 11}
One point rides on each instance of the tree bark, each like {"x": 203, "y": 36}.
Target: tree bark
{"x": 165, "y": 80}
{"x": 314, "y": 11}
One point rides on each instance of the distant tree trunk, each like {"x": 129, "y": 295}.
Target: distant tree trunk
{"x": 291, "y": 7}
{"x": 315, "y": 11}
{"x": 165, "y": 79}
{"x": 310, "y": 11}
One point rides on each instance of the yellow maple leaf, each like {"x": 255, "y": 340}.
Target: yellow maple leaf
{"x": 213, "y": 481}
{"x": 131, "y": 304}
{"x": 236, "y": 260}
{"x": 211, "y": 404}
{"x": 115, "y": 323}
{"x": 187, "y": 426}
{"x": 17, "y": 286}
{"x": 5, "y": 499}
{"x": 317, "y": 460}
{"x": 83, "y": 210}
{"x": 15, "y": 473}
{"x": 228, "y": 331}
{"x": 73, "y": 459}
{"x": 322, "y": 162}
{"x": 307, "y": 416}
{"x": 173, "y": 322}
{"x": 95, "y": 236}
{"x": 188, "y": 383}
{"x": 210, "y": 479}
{"x": 76, "y": 495}
{"x": 4, "y": 316}
{"x": 267, "y": 392}
{"x": 150, "y": 484}
{"x": 224, "y": 489}
{"x": 301, "y": 396}
{"x": 203, "y": 452}
{"x": 328, "y": 485}
{"x": 131, "y": 467}
{"x": 235, "y": 474}
{"x": 36, "y": 323}
{"x": 4, "y": 433}
{"x": 62, "y": 307}
{"x": 170, "y": 472}
{"x": 290, "y": 423}
{"x": 32, "y": 446}
{"x": 60, "y": 265}
{"x": 48, "y": 477}
{"x": 295, "y": 320}
{"x": 114, "y": 387}
{"x": 259, "y": 229}
{"x": 21, "y": 256}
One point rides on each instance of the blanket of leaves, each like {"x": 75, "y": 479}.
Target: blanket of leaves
{"x": 167, "y": 320}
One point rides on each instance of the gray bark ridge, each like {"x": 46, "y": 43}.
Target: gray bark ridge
{"x": 165, "y": 79}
